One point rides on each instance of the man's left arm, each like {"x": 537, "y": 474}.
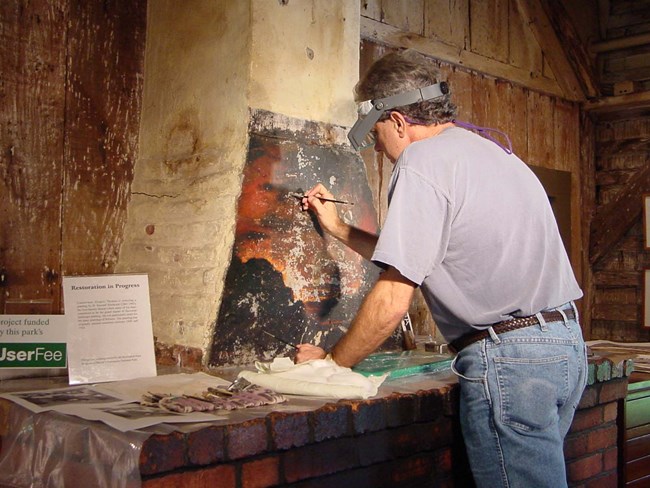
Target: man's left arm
{"x": 380, "y": 313}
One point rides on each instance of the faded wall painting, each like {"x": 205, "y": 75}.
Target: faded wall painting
{"x": 286, "y": 277}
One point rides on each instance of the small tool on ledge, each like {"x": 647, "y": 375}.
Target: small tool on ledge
{"x": 407, "y": 333}
{"x": 300, "y": 196}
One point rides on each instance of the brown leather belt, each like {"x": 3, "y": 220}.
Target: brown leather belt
{"x": 506, "y": 326}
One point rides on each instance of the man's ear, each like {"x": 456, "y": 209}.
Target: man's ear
{"x": 399, "y": 121}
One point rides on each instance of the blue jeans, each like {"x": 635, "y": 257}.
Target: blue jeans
{"x": 518, "y": 394}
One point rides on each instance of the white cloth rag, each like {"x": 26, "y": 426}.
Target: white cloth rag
{"x": 319, "y": 377}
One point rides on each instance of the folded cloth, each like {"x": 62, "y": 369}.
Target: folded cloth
{"x": 183, "y": 404}
{"x": 320, "y": 377}
{"x": 251, "y": 396}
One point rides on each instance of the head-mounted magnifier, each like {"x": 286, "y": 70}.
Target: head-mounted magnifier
{"x": 361, "y": 135}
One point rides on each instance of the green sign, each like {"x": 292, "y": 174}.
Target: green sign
{"x": 32, "y": 355}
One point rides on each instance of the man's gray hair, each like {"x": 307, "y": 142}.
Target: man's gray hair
{"x": 402, "y": 71}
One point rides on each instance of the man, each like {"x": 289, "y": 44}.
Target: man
{"x": 470, "y": 224}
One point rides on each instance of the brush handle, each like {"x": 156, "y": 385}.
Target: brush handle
{"x": 281, "y": 340}
{"x": 322, "y": 199}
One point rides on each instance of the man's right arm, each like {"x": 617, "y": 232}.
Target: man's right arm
{"x": 358, "y": 240}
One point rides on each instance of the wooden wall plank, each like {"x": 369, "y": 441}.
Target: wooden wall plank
{"x": 386, "y": 34}
{"x": 460, "y": 83}
{"x": 524, "y": 52}
{"x": 586, "y": 131}
{"x": 622, "y": 312}
{"x": 405, "y": 14}
{"x": 535, "y": 16}
{"x": 518, "y": 105}
{"x": 572, "y": 47}
{"x": 106, "y": 63}
{"x": 32, "y": 56}
{"x": 371, "y": 9}
{"x": 484, "y": 101}
{"x": 566, "y": 156}
{"x": 616, "y": 254}
{"x": 566, "y": 117}
{"x": 612, "y": 221}
{"x": 489, "y": 28}
{"x": 447, "y": 21}
{"x": 541, "y": 133}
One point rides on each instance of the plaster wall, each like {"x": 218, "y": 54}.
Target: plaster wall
{"x": 193, "y": 140}
{"x": 206, "y": 67}
{"x": 305, "y": 59}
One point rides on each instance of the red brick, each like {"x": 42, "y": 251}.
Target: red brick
{"x": 374, "y": 448}
{"x": 246, "y": 439}
{"x": 179, "y": 356}
{"x": 587, "y": 419}
{"x": 443, "y": 460}
{"x": 602, "y": 438}
{"x": 319, "y": 459}
{"x": 610, "y": 412}
{"x": 404, "y": 473}
{"x": 608, "y": 480}
{"x": 162, "y": 453}
{"x": 222, "y": 476}
{"x": 404, "y": 441}
{"x": 423, "y": 437}
{"x": 261, "y": 473}
{"x": 585, "y": 468}
{"x": 589, "y": 397}
{"x": 610, "y": 459}
{"x": 429, "y": 406}
{"x": 368, "y": 415}
{"x": 206, "y": 446}
{"x": 613, "y": 390}
{"x": 450, "y": 398}
{"x": 575, "y": 446}
{"x": 289, "y": 429}
{"x": 331, "y": 421}
{"x": 401, "y": 409}
{"x": 410, "y": 469}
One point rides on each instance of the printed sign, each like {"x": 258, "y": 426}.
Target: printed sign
{"x": 32, "y": 341}
{"x": 110, "y": 336}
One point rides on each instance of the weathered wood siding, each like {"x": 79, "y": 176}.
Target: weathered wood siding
{"x": 622, "y": 158}
{"x": 70, "y": 92}
{"x": 103, "y": 99}
{"x": 32, "y": 96}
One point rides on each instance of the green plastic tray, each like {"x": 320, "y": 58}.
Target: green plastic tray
{"x": 401, "y": 364}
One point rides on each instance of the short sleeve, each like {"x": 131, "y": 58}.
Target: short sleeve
{"x": 415, "y": 234}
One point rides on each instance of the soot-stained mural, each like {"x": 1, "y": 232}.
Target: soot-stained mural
{"x": 286, "y": 277}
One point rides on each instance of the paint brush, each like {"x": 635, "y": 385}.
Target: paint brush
{"x": 281, "y": 340}
{"x": 322, "y": 199}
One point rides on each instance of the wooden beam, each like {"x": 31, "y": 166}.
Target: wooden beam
{"x": 632, "y": 101}
{"x": 620, "y": 43}
{"x": 394, "y": 37}
{"x": 534, "y": 13}
{"x": 573, "y": 46}
{"x": 603, "y": 17}
{"x": 612, "y": 221}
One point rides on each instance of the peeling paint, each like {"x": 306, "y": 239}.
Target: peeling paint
{"x": 285, "y": 276}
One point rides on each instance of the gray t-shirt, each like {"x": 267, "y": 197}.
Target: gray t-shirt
{"x": 473, "y": 227}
